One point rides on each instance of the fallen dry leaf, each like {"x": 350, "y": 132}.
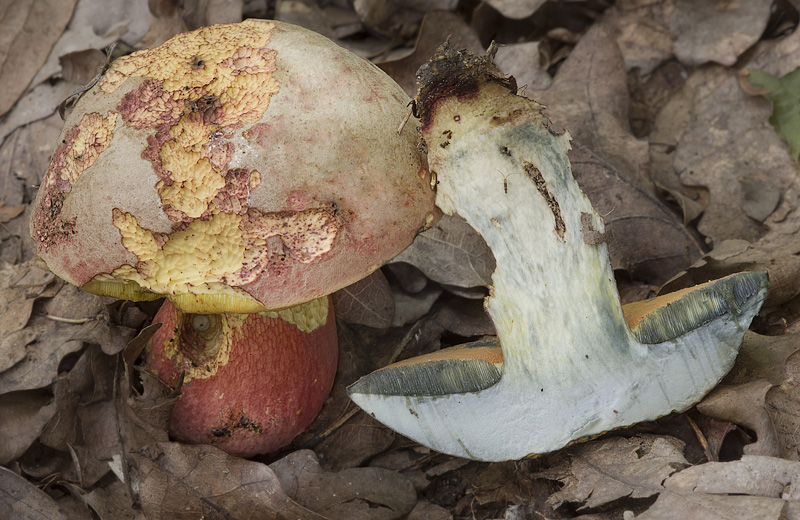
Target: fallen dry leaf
{"x": 16, "y": 305}
{"x": 10, "y": 212}
{"x": 649, "y": 242}
{"x": 712, "y": 436}
{"x": 94, "y": 25}
{"x": 145, "y": 402}
{"x": 353, "y": 443}
{"x": 112, "y": 502}
{"x": 516, "y": 8}
{"x": 86, "y": 422}
{"x": 305, "y": 14}
{"x": 506, "y": 482}
{"x": 702, "y": 506}
{"x": 410, "y": 307}
{"x": 753, "y": 475}
{"x": 73, "y": 504}
{"x": 23, "y": 416}
{"x": 666, "y": 121}
{"x": 466, "y": 317}
{"x": 30, "y": 29}
{"x": 81, "y": 67}
{"x": 70, "y": 390}
{"x": 23, "y": 159}
{"x": 715, "y": 31}
{"x": 27, "y": 143}
{"x": 367, "y": 302}
{"x": 39, "y": 103}
{"x": 782, "y": 263}
{"x": 424, "y": 510}
{"x": 167, "y": 20}
{"x": 589, "y": 97}
{"x": 763, "y": 357}
{"x": 741, "y": 187}
{"x": 40, "y": 463}
{"x": 179, "y": 481}
{"x": 600, "y": 472}
{"x": 397, "y": 18}
{"x": 642, "y": 33}
{"x": 13, "y": 347}
{"x": 745, "y": 404}
{"x": 350, "y": 494}
{"x": 783, "y": 406}
{"x": 451, "y": 253}
{"x": 406, "y": 277}
{"x": 525, "y": 63}
{"x": 99, "y": 441}
{"x": 40, "y": 366}
{"x": 21, "y": 499}
{"x": 754, "y": 487}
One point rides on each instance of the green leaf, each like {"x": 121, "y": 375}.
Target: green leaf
{"x": 784, "y": 93}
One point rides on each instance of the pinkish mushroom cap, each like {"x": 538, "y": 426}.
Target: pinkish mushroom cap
{"x": 235, "y": 168}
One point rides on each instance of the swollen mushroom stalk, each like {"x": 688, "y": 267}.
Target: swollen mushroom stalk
{"x": 249, "y": 382}
{"x": 566, "y": 364}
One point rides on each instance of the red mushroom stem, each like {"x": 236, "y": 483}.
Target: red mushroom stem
{"x": 251, "y": 382}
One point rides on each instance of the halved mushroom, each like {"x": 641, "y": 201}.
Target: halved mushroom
{"x": 239, "y": 168}
{"x": 566, "y": 365}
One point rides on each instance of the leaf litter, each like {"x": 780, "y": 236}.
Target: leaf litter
{"x": 684, "y": 164}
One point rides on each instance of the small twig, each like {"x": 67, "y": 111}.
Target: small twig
{"x": 701, "y": 438}
{"x": 346, "y": 416}
{"x": 408, "y": 116}
{"x": 604, "y": 215}
{"x": 76, "y": 95}
{"x": 75, "y": 321}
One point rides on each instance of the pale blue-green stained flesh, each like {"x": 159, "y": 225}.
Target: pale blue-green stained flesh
{"x": 571, "y": 366}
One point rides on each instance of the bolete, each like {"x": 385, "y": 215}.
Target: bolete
{"x": 239, "y": 171}
{"x": 569, "y": 362}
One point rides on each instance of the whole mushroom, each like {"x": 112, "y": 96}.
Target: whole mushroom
{"x": 239, "y": 171}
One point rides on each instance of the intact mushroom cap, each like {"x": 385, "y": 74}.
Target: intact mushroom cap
{"x": 234, "y": 168}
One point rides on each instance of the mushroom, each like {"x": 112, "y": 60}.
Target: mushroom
{"x": 569, "y": 362}
{"x": 251, "y": 382}
{"x": 239, "y": 169}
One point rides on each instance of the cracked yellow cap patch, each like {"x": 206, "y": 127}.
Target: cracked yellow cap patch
{"x": 82, "y": 147}
{"x": 196, "y": 85}
{"x": 218, "y": 255}
{"x": 208, "y": 58}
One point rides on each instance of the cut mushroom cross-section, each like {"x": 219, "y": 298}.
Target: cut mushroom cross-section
{"x": 569, "y": 365}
